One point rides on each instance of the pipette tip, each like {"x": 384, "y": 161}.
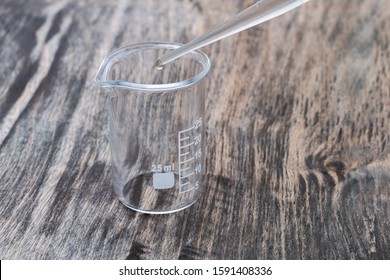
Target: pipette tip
{"x": 159, "y": 65}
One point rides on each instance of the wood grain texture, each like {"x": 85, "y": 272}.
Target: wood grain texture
{"x": 298, "y": 118}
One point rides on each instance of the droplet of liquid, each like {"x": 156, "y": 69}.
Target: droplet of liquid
{"x": 158, "y": 64}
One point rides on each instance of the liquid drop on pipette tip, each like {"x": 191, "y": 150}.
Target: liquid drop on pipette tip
{"x": 158, "y": 64}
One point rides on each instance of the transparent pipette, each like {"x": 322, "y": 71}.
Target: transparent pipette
{"x": 259, "y": 12}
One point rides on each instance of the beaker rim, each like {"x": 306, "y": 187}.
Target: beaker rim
{"x": 101, "y": 77}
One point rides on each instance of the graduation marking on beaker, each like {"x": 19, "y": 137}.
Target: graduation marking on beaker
{"x": 189, "y": 156}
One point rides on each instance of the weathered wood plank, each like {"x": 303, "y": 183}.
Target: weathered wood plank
{"x": 298, "y": 159}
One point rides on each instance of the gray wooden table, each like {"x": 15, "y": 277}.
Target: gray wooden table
{"x": 298, "y": 118}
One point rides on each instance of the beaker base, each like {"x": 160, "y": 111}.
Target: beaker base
{"x": 157, "y": 212}
{"x": 153, "y": 193}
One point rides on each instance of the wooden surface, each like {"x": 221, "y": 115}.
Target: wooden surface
{"x": 298, "y": 118}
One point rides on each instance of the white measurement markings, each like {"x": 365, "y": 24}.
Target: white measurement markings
{"x": 189, "y": 141}
{"x": 185, "y": 159}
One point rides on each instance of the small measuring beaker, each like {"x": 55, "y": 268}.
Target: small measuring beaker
{"x": 157, "y": 126}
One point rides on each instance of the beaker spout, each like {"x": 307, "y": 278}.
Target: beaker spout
{"x": 100, "y": 78}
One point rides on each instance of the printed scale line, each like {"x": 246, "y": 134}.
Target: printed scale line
{"x": 185, "y": 150}
{"x": 187, "y": 145}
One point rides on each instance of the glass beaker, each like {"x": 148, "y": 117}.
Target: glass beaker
{"x": 156, "y": 121}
